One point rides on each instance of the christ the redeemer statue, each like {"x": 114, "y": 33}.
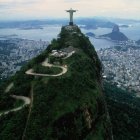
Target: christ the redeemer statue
{"x": 71, "y": 11}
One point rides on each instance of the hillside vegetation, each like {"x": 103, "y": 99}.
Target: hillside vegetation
{"x": 124, "y": 109}
{"x": 67, "y": 107}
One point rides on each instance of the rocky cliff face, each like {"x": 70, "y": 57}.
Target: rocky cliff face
{"x": 67, "y": 104}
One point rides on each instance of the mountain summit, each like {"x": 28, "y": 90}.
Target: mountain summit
{"x": 116, "y": 34}
{"x": 63, "y": 86}
{"x": 116, "y": 29}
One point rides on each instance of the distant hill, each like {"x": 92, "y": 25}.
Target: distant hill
{"x": 90, "y": 23}
{"x": 116, "y": 34}
{"x": 124, "y": 26}
{"x": 93, "y": 23}
{"x": 90, "y": 34}
{"x": 138, "y": 42}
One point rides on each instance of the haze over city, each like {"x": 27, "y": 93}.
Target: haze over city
{"x": 42, "y": 9}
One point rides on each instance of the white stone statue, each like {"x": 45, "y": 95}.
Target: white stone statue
{"x": 71, "y": 11}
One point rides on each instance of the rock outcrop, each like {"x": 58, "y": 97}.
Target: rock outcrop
{"x": 116, "y": 34}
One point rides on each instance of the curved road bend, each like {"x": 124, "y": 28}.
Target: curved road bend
{"x": 26, "y": 102}
{"x": 46, "y": 64}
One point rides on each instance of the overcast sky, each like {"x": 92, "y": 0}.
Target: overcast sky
{"x": 37, "y": 9}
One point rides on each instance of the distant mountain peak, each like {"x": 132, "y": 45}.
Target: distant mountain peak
{"x": 116, "y": 34}
{"x": 116, "y": 29}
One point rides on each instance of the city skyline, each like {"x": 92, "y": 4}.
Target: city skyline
{"x": 42, "y": 9}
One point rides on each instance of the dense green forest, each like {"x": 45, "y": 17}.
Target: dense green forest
{"x": 124, "y": 110}
{"x": 13, "y": 124}
{"x": 46, "y": 70}
{"x": 70, "y": 106}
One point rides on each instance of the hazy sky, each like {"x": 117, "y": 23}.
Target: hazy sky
{"x": 35, "y": 9}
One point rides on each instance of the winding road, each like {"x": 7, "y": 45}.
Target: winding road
{"x": 46, "y": 64}
{"x": 27, "y": 100}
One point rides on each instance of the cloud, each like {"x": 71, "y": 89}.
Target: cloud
{"x": 15, "y": 3}
{"x": 55, "y": 8}
{"x": 3, "y": 6}
{"x": 72, "y": 1}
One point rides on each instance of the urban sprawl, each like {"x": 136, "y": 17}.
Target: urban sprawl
{"x": 15, "y": 52}
{"x": 121, "y": 65}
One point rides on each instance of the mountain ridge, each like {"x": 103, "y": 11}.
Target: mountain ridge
{"x": 69, "y": 106}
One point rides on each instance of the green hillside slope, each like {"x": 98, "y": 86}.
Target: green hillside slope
{"x": 66, "y": 99}
{"x": 124, "y": 109}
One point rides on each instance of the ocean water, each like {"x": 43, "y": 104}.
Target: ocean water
{"x": 99, "y": 43}
{"x": 47, "y": 33}
{"x": 51, "y": 31}
{"x": 132, "y": 32}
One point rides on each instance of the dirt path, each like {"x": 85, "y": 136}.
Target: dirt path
{"x": 30, "y": 72}
{"x": 9, "y": 87}
{"x": 26, "y": 102}
{"x": 29, "y": 114}
{"x": 46, "y": 64}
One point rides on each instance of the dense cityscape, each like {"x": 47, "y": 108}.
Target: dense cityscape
{"x": 121, "y": 65}
{"x": 16, "y": 52}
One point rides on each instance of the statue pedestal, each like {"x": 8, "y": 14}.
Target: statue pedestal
{"x": 71, "y": 23}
